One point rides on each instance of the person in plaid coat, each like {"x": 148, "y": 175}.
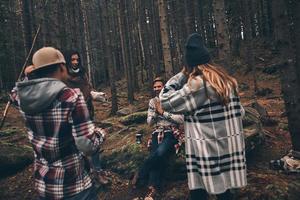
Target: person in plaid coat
{"x": 215, "y": 147}
{"x": 59, "y": 129}
{"x": 165, "y": 141}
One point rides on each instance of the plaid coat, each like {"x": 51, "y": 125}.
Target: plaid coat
{"x": 58, "y": 135}
{"x": 215, "y": 148}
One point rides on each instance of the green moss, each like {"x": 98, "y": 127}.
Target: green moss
{"x": 9, "y": 132}
{"x": 14, "y": 157}
{"x": 135, "y": 118}
{"x": 126, "y": 160}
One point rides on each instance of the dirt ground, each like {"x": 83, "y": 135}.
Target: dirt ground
{"x": 263, "y": 183}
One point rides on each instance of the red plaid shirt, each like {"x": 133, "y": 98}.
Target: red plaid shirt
{"x": 60, "y": 168}
{"x": 160, "y": 130}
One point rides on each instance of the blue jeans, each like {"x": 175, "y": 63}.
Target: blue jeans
{"x": 88, "y": 194}
{"x": 96, "y": 161}
{"x": 201, "y": 194}
{"x": 155, "y": 164}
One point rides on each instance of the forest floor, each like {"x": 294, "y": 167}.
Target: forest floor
{"x": 263, "y": 183}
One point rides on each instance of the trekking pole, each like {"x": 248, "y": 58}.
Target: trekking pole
{"x": 20, "y": 77}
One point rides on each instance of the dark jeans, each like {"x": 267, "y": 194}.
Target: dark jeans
{"x": 155, "y": 164}
{"x": 201, "y": 194}
{"x": 96, "y": 161}
{"x": 88, "y": 194}
{"x": 90, "y": 106}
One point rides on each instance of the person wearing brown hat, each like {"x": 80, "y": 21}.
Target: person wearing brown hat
{"x": 215, "y": 146}
{"x": 59, "y": 129}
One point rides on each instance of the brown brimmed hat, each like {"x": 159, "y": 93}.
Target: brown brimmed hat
{"x": 47, "y": 56}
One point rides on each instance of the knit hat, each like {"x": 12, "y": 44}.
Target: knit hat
{"x": 47, "y": 56}
{"x": 195, "y": 51}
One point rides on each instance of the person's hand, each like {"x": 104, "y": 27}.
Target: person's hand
{"x": 101, "y": 132}
{"x": 159, "y": 108}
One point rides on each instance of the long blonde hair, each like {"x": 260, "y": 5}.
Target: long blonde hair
{"x": 218, "y": 78}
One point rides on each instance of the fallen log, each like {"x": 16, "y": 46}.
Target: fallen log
{"x": 14, "y": 158}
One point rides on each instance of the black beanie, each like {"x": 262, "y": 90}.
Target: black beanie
{"x": 195, "y": 51}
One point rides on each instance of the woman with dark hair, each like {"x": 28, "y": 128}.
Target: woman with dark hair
{"x": 215, "y": 147}
{"x": 78, "y": 78}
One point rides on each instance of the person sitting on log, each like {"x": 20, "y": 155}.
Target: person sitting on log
{"x": 165, "y": 141}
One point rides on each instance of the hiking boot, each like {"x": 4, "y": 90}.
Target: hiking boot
{"x": 152, "y": 194}
{"x": 135, "y": 179}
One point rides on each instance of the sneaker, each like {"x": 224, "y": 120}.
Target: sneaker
{"x": 152, "y": 194}
{"x": 135, "y": 179}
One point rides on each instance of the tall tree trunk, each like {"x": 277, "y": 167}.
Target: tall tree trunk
{"x": 234, "y": 21}
{"x": 289, "y": 80}
{"x": 296, "y": 19}
{"x": 86, "y": 39}
{"x": 123, "y": 23}
{"x": 165, "y": 39}
{"x": 27, "y": 24}
{"x": 108, "y": 53}
{"x": 62, "y": 22}
{"x": 189, "y": 16}
{"x": 222, "y": 32}
{"x": 246, "y": 7}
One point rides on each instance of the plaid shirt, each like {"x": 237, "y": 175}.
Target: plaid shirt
{"x": 61, "y": 170}
{"x": 177, "y": 133}
{"x": 164, "y": 123}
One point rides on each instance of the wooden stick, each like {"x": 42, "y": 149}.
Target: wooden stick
{"x": 5, "y": 114}
{"x": 29, "y": 53}
{"x": 20, "y": 76}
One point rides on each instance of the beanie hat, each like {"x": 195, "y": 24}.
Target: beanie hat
{"x": 195, "y": 51}
{"x": 47, "y": 56}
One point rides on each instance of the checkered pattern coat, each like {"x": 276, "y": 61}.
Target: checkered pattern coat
{"x": 215, "y": 148}
{"x": 61, "y": 170}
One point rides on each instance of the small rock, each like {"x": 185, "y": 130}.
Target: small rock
{"x": 124, "y": 111}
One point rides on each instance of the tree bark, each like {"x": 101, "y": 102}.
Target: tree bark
{"x": 108, "y": 51}
{"x": 224, "y": 53}
{"x": 165, "y": 39}
{"x": 289, "y": 79}
{"x": 86, "y": 39}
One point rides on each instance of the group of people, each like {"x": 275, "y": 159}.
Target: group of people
{"x": 57, "y": 106}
